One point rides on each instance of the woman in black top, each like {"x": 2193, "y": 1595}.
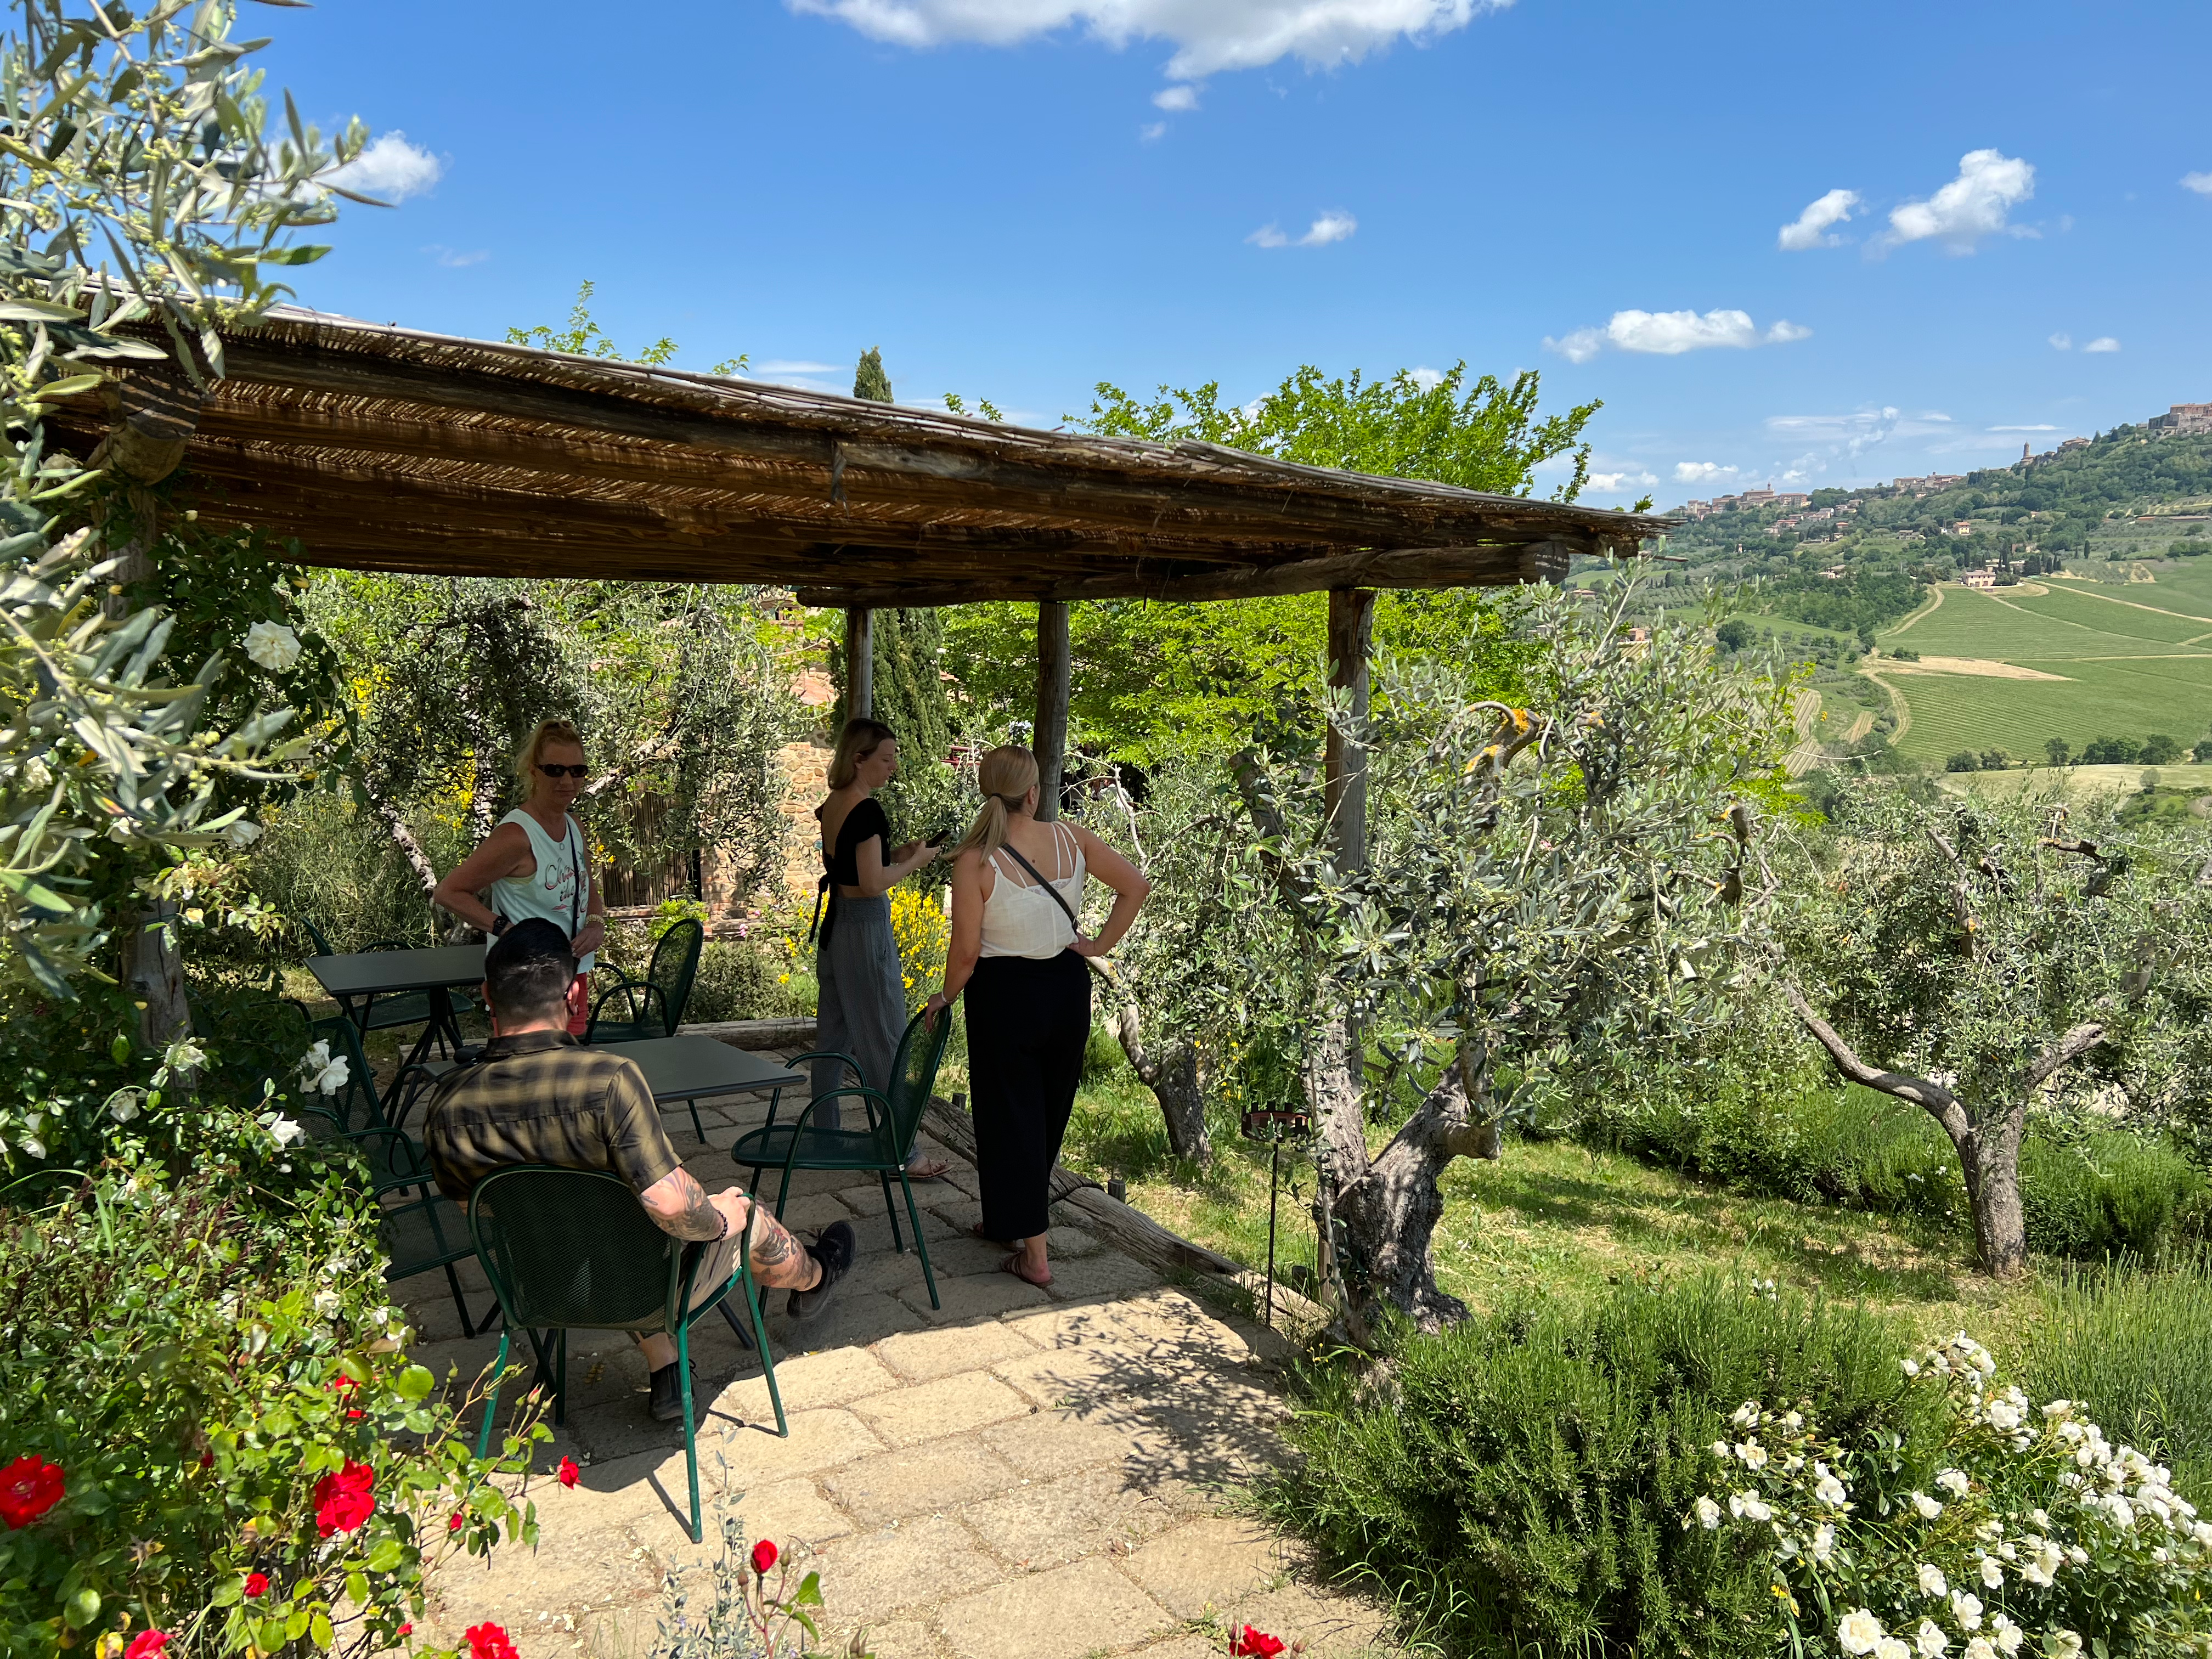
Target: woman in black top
{"x": 862, "y": 1010}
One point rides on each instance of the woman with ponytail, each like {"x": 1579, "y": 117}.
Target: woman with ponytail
{"x": 1017, "y": 951}
{"x": 862, "y": 1005}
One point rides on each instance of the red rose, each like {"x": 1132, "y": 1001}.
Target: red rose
{"x": 567, "y": 1473}
{"x": 29, "y": 1486}
{"x": 487, "y": 1641}
{"x": 1255, "y": 1644}
{"x": 344, "y": 1500}
{"x": 454, "y": 1523}
{"x": 147, "y": 1644}
{"x": 763, "y": 1556}
{"x": 257, "y": 1584}
{"x": 343, "y": 1387}
{"x": 407, "y": 1629}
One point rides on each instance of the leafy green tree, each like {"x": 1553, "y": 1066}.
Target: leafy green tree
{"x": 1547, "y": 882}
{"x": 584, "y": 337}
{"x": 2159, "y": 749}
{"x": 147, "y": 191}
{"x": 869, "y": 379}
{"x": 2058, "y": 750}
{"x": 1982, "y": 959}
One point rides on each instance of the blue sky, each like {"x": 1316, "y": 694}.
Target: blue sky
{"x": 1016, "y": 199}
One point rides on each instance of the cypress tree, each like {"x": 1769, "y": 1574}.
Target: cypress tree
{"x": 869, "y": 379}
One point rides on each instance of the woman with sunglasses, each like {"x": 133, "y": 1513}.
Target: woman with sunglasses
{"x": 536, "y": 862}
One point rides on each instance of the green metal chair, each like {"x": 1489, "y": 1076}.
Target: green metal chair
{"x": 882, "y": 1149}
{"x": 652, "y": 1007}
{"x": 572, "y": 1250}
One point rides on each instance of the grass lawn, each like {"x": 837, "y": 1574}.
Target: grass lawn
{"x": 1556, "y": 1215}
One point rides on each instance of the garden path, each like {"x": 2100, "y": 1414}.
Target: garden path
{"x": 1023, "y": 1475}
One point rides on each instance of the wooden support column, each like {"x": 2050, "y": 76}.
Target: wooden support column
{"x": 1351, "y": 628}
{"x": 1050, "y": 739}
{"x": 860, "y": 662}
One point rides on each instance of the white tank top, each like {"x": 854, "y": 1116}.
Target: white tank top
{"x": 552, "y": 893}
{"x": 1021, "y": 918}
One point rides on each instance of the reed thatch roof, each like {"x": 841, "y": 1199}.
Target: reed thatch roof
{"x": 387, "y": 448}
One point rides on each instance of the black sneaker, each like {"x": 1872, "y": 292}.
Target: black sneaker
{"x": 666, "y": 1401}
{"x": 833, "y": 1248}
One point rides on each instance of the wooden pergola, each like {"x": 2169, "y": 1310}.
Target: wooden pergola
{"x": 385, "y": 448}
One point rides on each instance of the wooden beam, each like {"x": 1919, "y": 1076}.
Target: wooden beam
{"x": 1050, "y": 739}
{"x": 859, "y": 662}
{"x": 1344, "y": 778}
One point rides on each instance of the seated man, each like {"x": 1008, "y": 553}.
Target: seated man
{"x": 535, "y": 1096}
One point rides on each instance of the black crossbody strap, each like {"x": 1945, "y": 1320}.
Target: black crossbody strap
{"x": 1038, "y": 877}
{"x": 576, "y": 894}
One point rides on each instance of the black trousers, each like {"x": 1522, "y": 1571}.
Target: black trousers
{"x": 1028, "y": 1023}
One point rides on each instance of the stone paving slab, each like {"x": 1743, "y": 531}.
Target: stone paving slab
{"x": 1019, "y": 1474}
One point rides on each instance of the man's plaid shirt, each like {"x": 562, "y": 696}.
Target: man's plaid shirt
{"x": 543, "y": 1098}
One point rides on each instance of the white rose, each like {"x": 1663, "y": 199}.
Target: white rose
{"x": 1859, "y": 1630}
{"x": 1992, "y": 1574}
{"x": 272, "y": 645}
{"x": 1926, "y": 1507}
{"x": 284, "y": 1132}
{"x": 327, "y": 1303}
{"x": 185, "y": 1055}
{"x": 2002, "y": 1415}
{"x": 1830, "y": 1490}
{"x": 2121, "y": 1511}
{"x": 1708, "y": 1513}
{"x": 1930, "y": 1639}
{"x": 1911, "y": 1367}
{"x": 2056, "y": 1409}
{"x": 1750, "y": 1507}
{"x": 1892, "y": 1647}
{"x": 241, "y": 832}
{"x": 32, "y": 1145}
{"x": 1746, "y": 1414}
{"x": 1720, "y": 1448}
{"x": 1752, "y": 1454}
{"x": 1979, "y": 1648}
{"x": 1967, "y": 1609}
{"x": 2064, "y": 1644}
{"x": 123, "y": 1106}
{"x": 1954, "y": 1482}
{"x": 2041, "y": 1517}
{"x": 1932, "y": 1582}
{"x": 2009, "y": 1635}
{"x": 1824, "y": 1542}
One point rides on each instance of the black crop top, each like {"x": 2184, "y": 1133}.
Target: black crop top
{"x": 843, "y": 862}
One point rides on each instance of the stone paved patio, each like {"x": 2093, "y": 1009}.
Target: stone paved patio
{"x": 1021, "y": 1474}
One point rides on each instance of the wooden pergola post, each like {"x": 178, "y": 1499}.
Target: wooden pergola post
{"x": 1344, "y": 785}
{"x": 1049, "y": 741}
{"x": 860, "y": 662}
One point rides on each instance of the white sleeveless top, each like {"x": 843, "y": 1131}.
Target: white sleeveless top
{"x": 1020, "y": 919}
{"x": 552, "y": 893}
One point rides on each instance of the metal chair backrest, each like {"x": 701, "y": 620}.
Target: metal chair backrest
{"x": 675, "y": 964}
{"x": 913, "y": 1074}
{"x": 572, "y": 1250}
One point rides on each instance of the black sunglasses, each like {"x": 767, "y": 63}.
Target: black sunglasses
{"x": 564, "y": 771}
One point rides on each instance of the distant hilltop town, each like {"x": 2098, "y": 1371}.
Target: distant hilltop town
{"x": 2182, "y": 421}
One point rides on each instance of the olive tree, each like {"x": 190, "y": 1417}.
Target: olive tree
{"x": 1547, "y": 881}
{"x": 1982, "y": 959}
{"x": 147, "y": 190}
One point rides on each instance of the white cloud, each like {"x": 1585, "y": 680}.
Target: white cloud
{"x": 1701, "y": 472}
{"x": 2199, "y": 182}
{"x": 1427, "y": 379}
{"x": 794, "y": 365}
{"x": 1329, "y": 227}
{"x": 2061, "y": 342}
{"x": 1811, "y": 226}
{"x": 1614, "y": 483}
{"x": 2102, "y": 343}
{"x": 1578, "y": 347}
{"x": 2045, "y": 428}
{"x": 1973, "y": 205}
{"x": 1670, "y": 333}
{"x": 1209, "y": 35}
{"x": 1151, "y": 130}
{"x": 391, "y": 169}
{"x": 1175, "y": 98}
{"x": 454, "y": 258}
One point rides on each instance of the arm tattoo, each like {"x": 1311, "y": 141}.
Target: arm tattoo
{"x": 700, "y": 1218}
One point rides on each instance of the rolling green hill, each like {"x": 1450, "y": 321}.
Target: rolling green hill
{"x": 2059, "y": 659}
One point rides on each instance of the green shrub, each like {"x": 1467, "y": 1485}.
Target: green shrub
{"x": 1519, "y": 1483}
{"x": 2111, "y": 1194}
{"x": 2136, "y": 1348}
{"x": 744, "y": 981}
{"x": 208, "y": 1369}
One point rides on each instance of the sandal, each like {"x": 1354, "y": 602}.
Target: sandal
{"x": 1013, "y": 1265}
{"x": 934, "y": 1169}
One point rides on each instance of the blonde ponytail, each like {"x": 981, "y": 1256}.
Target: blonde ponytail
{"x": 1004, "y": 775}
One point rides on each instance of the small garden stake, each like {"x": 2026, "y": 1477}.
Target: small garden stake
{"x": 1274, "y": 1126}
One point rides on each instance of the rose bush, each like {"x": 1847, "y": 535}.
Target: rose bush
{"x": 2028, "y": 1529}
{"x": 207, "y": 1432}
